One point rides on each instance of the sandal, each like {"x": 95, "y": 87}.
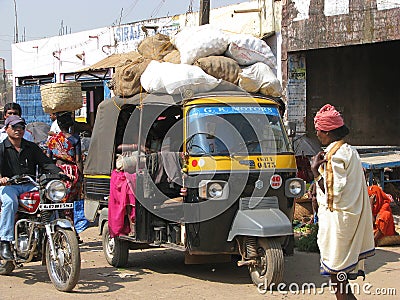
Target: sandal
{"x": 80, "y": 241}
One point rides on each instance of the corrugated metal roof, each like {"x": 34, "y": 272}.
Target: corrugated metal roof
{"x": 112, "y": 61}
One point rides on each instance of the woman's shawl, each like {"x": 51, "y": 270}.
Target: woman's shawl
{"x": 61, "y": 147}
{"x": 384, "y": 221}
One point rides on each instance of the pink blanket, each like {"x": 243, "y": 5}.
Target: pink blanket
{"x": 122, "y": 186}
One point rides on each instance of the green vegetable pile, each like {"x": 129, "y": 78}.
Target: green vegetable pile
{"x": 307, "y": 240}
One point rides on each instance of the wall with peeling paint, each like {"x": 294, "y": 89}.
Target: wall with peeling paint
{"x": 345, "y": 53}
{"x": 313, "y": 24}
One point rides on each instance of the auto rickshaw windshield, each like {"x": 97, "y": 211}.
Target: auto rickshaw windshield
{"x": 236, "y": 129}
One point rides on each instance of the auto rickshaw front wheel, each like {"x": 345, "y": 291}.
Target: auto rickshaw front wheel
{"x": 267, "y": 272}
{"x": 115, "y": 250}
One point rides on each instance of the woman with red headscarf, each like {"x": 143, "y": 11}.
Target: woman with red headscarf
{"x": 381, "y": 212}
{"x": 345, "y": 237}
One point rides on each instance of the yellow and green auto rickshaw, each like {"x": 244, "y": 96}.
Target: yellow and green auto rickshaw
{"x": 215, "y": 177}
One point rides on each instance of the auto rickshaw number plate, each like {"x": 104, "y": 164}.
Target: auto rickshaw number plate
{"x": 265, "y": 162}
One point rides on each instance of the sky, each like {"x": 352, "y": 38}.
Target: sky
{"x": 46, "y": 18}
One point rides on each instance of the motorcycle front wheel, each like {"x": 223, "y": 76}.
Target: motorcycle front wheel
{"x": 64, "y": 271}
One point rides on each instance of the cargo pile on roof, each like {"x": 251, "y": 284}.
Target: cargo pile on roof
{"x": 197, "y": 59}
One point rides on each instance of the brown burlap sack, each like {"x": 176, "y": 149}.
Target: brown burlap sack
{"x": 120, "y": 59}
{"x": 220, "y": 67}
{"x": 155, "y": 47}
{"x": 173, "y": 57}
{"x": 127, "y": 77}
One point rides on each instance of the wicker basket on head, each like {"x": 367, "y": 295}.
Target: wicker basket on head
{"x": 66, "y": 96}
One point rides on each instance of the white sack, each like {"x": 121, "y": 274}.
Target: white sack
{"x": 260, "y": 78}
{"x": 247, "y": 50}
{"x": 165, "y": 77}
{"x": 200, "y": 41}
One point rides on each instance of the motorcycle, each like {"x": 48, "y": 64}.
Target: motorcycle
{"x": 43, "y": 233}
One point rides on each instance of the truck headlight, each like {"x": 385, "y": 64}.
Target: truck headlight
{"x": 213, "y": 189}
{"x": 56, "y": 190}
{"x": 294, "y": 187}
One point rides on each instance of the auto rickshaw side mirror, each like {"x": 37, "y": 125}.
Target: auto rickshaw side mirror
{"x": 290, "y": 128}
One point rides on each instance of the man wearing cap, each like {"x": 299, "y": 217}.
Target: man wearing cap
{"x": 13, "y": 109}
{"x": 345, "y": 236}
{"x": 17, "y": 156}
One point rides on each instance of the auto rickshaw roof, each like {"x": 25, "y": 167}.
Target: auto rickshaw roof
{"x": 100, "y": 157}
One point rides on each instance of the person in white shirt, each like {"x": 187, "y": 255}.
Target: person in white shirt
{"x": 54, "y": 129}
{"x": 11, "y": 109}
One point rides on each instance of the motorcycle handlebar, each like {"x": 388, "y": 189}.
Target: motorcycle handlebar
{"x": 21, "y": 179}
{"x": 25, "y": 178}
{"x": 60, "y": 176}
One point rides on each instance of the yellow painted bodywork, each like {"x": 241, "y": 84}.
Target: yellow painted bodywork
{"x": 226, "y": 163}
{"x": 80, "y": 119}
{"x": 98, "y": 176}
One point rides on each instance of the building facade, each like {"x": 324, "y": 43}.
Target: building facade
{"x": 70, "y": 57}
{"x": 344, "y": 53}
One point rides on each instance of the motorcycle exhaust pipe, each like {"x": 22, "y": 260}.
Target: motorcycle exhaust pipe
{"x": 30, "y": 225}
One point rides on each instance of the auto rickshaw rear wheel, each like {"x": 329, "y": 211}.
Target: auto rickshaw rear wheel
{"x": 268, "y": 270}
{"x": 115, "y": 250}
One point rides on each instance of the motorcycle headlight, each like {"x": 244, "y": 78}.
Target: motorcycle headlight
{"x": 294, "y": 187}
{"x": 56, "y": 190}
{"x": 213, "y": 189}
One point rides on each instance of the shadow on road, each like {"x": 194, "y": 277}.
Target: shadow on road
{"x": 97, "y": 278}
{"x": 383, "y": 256}
{"x": 167, "y": 261}
{"x": 301, "y": 268}
{"x": 92, "y": 280}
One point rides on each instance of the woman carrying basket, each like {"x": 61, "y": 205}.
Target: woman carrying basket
{"x": 65, "y": 148}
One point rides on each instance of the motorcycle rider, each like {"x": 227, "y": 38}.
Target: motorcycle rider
{"x": 11, "y": 109}
{"x": 17, "y": 156}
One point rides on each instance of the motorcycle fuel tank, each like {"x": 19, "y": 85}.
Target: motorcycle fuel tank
{"x": 29, "y": 202}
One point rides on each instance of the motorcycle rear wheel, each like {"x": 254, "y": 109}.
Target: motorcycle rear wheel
{"x": 65, "y": 270}
{"x": 6, "y": 267}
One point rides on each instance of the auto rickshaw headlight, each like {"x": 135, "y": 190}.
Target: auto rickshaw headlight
{"x": 294, "y": 187}
{"x": 213, "y": 189}
{"x": 56, "y": 190}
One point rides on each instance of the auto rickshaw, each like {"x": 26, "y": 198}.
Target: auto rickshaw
{"x": 214, "y": 176}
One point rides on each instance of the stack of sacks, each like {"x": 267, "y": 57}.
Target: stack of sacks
{"x": 198, "y": 59}
{"x": 126, "y": 79}
{"x": 165, "y": 77}
{"x": 258, "y": 65}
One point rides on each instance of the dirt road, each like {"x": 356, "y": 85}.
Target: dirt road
{"x": 161, "y": 274}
